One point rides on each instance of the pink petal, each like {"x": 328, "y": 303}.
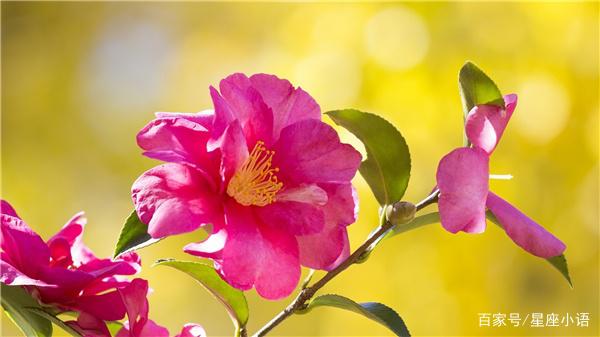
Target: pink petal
{"x": 6, "y": 208}
{"x": 72, "y": 230}
{"x": 72, "y": 234}
{"x": 296, "y": 218}
{"x": 462, "y": 177}
{"x": 101, "y": 268}
{"x": 342, "y": 205}
{"x": 11, "y": 276}
{"x": 485, "y": 124}
{"x": 22, "y": 247}
{"x": 311, "y": 194}
{"x": 235, "y": 89}
{"x": 70, "y": 283}
{"x": 107, "y": 307}
{"x": 102, "y": 285}
{"x": 136, "y": 304}
{"x": 289, "y": 104}
{"x": 324, "y": 250}
{"x": 234, "y": 150}
{"x": 151, "y": 329}
{"x": 310, "y": 151}
{"x": 525, "y": 232}
{"x": 204, "y": 118}
{"x": 192, "y": 330}
{"x": 247, "y": 106}
{"x": 60, "y": 252}
{"x": 212, "y": 247}
{"x": 173, "y": 199}
{"x": 223, "y": 117}
{"x": 257, "y": 255}
{"x": 178, "y": 140}
{"x": 89, "y": 325}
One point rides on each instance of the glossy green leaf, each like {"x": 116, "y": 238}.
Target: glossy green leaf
{"x": 15, "y": 302}
{"x": 233, "y": 299}
{"x": 387, "y": 167}
{"x": 558, "y": 262}
{"x": 57, "y": 321}
{"x": 377, "y": 312}
{"x": 134, "y": 235}
{"x": 419, "y": 221}
{"x": 477, "y": 88}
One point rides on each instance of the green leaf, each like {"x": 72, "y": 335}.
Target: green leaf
{"x": 477, "y": 88}
{"x": 15, "y": 301}
{"x": 387, "y": 167}
{"x": 57, "y": 321}
{"x": 419, "y": 221}
{"x": 134, "y": 235}
{"x": 377, "y": 312}
{"x": 559, "y": 262}
{"x": 233, "y": 299}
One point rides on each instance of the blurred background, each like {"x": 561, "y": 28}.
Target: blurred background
{"x": 80, "y": 79}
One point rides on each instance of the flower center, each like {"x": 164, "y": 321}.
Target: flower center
{"x": 255, "y": 182}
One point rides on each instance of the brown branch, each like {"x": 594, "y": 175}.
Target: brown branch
{"x": 306, "y": 294}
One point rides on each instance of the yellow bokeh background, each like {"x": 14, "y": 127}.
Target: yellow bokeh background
{"x": 80, "y": 79}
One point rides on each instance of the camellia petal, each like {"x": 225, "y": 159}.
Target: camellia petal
{"x": 485, "y": 124}
{"x": 25, "y": 250}
{"x": 178, "y": 140}
{"x": 257, "y": 255}
{"x": 310, "y": 151}
{"x": 462, "y": 178}
{"x": 212, "y": 247}
{"x": 204, "y": 118}
{"x": 11, "y": 276}
{"x": 173, "y": 199}
{"x": 322, "y": 250}
{"x": 298, "y": 218}
{"x": 289, "y": 104}
{"x": 525, "y": 232}
{"x": 192, "y": 330}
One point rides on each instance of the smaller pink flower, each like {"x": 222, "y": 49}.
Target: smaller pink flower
{"x": 462, "y": 178}
{"x": 63, "y": 271}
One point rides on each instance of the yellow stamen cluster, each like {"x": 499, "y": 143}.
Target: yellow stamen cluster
{"x": 255, "y": 182}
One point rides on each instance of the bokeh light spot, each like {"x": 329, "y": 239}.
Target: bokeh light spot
{"x": 543, "y": 108}
{"x": 339, "y": 88}
{"x": 397, "y": 38}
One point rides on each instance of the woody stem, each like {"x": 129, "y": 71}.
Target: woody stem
{"x": 307, "y": 293}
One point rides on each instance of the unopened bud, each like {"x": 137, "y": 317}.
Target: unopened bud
{"x": 400, "y": 212}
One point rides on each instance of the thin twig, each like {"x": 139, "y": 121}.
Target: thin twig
{"x": 306, "y": 294}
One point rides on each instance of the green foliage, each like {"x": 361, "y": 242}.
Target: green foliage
{"x": 377, "y": 312}
{"x": 477, "y": 88}
{"x": 233, "y": 299}
{"x": 17, "y": 303}
{"x": 134, "y": 235}
{"x": 419, "y": 221}
{"x": 387, "y": 167}
{"x": 559, "y": 262}
{"x": 57, "y": 321}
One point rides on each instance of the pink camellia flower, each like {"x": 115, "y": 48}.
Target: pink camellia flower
{"x": 62, "y": 271}
{"x": 462, "y": 178}
{"x": 264, "y": 170}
